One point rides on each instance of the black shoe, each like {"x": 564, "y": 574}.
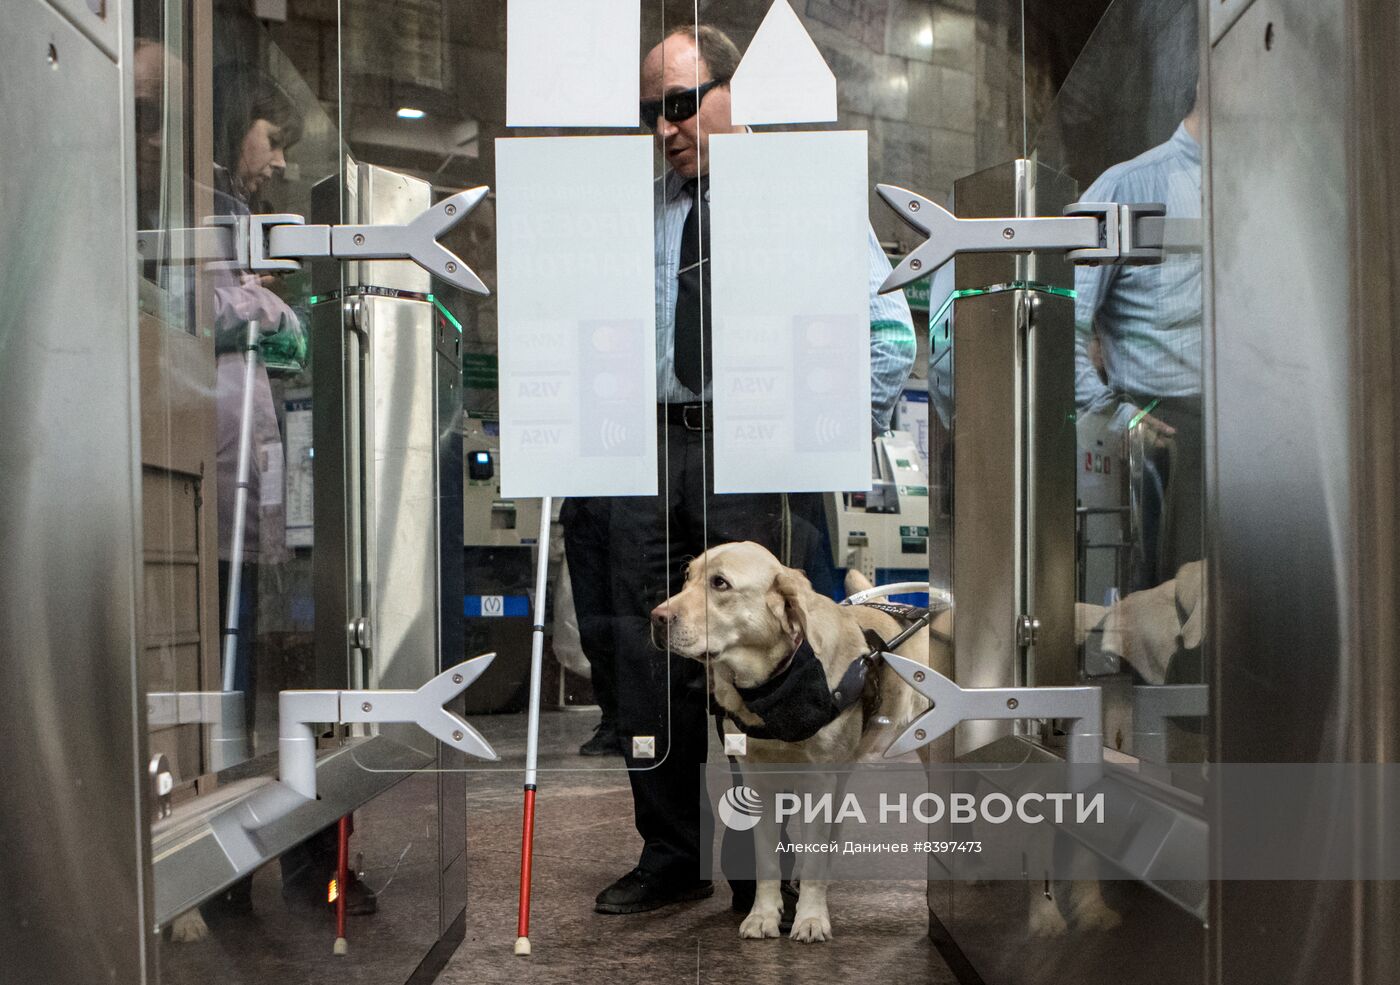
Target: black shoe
{"x": 360, "y": 900}
{"x": 640, "y": 891}
{"x": 605, "y": 742}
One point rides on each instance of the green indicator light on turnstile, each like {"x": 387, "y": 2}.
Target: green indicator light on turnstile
{"x": 445, "y": 313}
{"x": 1137, "y": 418}
{"x": 1015, "y": 285}
{"x": 949, "y": 303}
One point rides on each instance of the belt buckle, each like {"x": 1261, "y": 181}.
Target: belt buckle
{"x": 698, "y": 424}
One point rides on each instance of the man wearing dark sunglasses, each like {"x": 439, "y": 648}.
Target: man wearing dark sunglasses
{"x": 679, "y": 118}
{"x": 677, "y": 107}
{"x": 685, "y": 95}
{"x": 637, "y": 548}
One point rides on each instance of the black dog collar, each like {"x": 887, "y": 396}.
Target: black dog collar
{"x": 796, "y": 702}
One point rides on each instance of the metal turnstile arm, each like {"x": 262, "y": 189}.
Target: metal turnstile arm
{"x": 1081, "y": 706}
{"x": 298, "y": 710}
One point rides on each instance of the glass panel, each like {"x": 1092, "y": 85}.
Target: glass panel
{"x": 910, "y": 76}
{"x": 1119, "y": 128}
{"x": 225, "y": 127}
{"x": 938, "y": 89}
{"x": 1126, "y": 127}
{"x": 430, "y": 110}
{"x": 1108, "y": 556}
{"x": 230, "y": 124}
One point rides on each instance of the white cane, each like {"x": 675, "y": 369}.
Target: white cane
{"x": 532, "y": 742}
{"x": 240, "y": 507}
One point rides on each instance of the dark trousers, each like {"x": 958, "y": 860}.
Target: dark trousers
{"x": 588, "y": 550}
{"x": 649, "y": 541}
{"x": 1172, "y": 491}
{"x": 1171, "y": 521}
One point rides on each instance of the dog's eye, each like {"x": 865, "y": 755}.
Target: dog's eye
{"x": 718, "y": 583}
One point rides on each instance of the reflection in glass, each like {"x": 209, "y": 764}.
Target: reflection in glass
{"x": 225, "y": 129}
{"x": 257, "y": 335}
{"x": 1127, "y": 126}
{"x": 1138, "y": 358}
{"x": 255, "y": 123}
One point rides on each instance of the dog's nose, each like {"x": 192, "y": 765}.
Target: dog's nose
{"x": 662, "y": 616}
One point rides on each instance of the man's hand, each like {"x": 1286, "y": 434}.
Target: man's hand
{"x": 1157, "y": 433}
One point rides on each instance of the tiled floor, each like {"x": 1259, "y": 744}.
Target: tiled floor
{"x": 585, "y": 839}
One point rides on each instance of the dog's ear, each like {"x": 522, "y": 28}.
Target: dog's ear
{"x": 788, "y": 600}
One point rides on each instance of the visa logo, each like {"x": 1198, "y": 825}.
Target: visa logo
{"x": 539, "y": 436}
{"x": 755, "y": 432}
{"x": 753, "y": 384}
{"x": 540, "y": 388}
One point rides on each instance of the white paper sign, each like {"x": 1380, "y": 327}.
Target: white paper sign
{"x": 577, "y": 316}
{"x": 783, "y": 78}
{"x": 791, "y": 311}
{"x": 300, "y": 515}
{"x": 572, "y": 63}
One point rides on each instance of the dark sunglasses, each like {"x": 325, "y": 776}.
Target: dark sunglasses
{"x": 676, "y": 106}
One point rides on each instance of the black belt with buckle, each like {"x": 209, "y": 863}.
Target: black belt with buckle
{"x": 692, "y": 417}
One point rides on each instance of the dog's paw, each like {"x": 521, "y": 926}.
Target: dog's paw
{"x": 759, "y": 924}
{"x": 1045, "y": 919}
{"x": 188, "y": 928}
{"x": 811, "y": 928}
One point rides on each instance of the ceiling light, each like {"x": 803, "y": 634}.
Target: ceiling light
{"x": 409, "y": 113}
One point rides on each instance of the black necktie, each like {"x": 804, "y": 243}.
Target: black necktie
{"x": 693, "y": 293}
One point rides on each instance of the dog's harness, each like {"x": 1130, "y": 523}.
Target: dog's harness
{"x": 796, "y": 702}
{"x": 852, "y": 683}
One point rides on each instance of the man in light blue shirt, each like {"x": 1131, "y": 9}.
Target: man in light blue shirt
{"x": 1142, "y": 326}
{"x": 633, "y": 550}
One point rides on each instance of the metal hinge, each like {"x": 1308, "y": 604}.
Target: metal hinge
{"x": 354, "y": 311}
{"x": 278, "y": 242}
{"x": 1027, "y": 631}
{"x": 359, "y": 633}
{"x": 1088, "y": 233}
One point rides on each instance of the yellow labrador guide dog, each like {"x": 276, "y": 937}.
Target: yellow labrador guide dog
{"x": 746, "y": 614}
